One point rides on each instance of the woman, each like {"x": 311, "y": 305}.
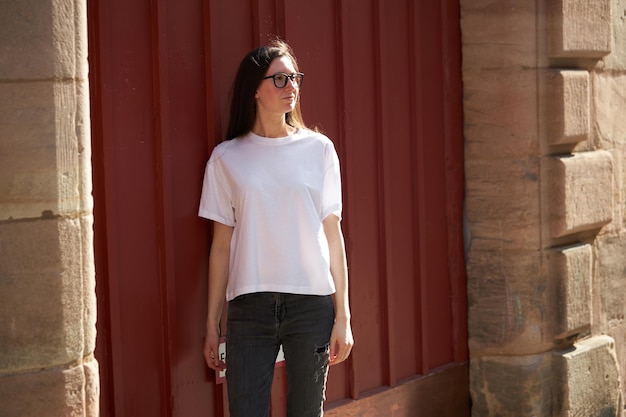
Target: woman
{"x": 273, "y": 191}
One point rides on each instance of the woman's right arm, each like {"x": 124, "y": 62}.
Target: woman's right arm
{"x": 219, "y": 259}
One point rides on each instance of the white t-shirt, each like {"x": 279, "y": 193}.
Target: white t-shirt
{"x": 275, "y": 192}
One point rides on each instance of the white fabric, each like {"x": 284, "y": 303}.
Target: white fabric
{"x": 275, "y": 192}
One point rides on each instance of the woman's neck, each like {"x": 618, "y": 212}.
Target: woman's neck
{"x": 276, "y": 128}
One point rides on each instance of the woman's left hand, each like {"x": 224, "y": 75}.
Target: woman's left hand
{"x": 341, "y": 341}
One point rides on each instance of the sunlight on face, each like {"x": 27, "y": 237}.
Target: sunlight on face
{"x": 273, "y": 100}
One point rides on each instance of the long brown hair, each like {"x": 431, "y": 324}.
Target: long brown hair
{"x": 251, "y": 71}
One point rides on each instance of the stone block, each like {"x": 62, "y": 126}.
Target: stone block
{"x": 521, "y": 303}
{"x": 502, "y": 201}
{"x": 587, "y": 380}
{"x": 47, "y": 301}
{"x": 570, "y": 269}
{"x": 28, "y": 180}
{"x": 88, "y": 274}
{"x": 497, "y": 34}
{"x": 567, "y": 115}
{"x": 609, "y": 95}
{"x": 49, "y": 169}
{"x": 616, "y": 60}
{"x": 511, "y": 386}
{"x": 511, "y": 303}
{"x": 618, "y": 334}
{"x": 43, "y": 40}
{"x": 610, "y": 287}
{"x": 54, "y": 392}
{"x": 73, "y": 151}
{"x": 579, "y": 28}
{"x": 500, "y": 116}
{"x": 580, "y": 192}
{"x": 92, "y": 388}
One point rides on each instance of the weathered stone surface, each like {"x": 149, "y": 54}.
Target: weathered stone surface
{"x": 522, "y": 303}
{"x": 616, "y": 60}
{"x": 499, "y": 114}
{"x": 610, "y": 132}
{"x": 88, "y": 273}
{"x": 570, "y": 269}
{"x": 47, "y": 280}
{"x": 609, "y": 94}
{"x": 503, "y": 204}
{"x": 49, "y": 169}
{"x": 72, "y": 150}
{"x": 589, "y": 382}
{"x": 43, "y": 40}
{"x": 511, "y": 303}
{"x": 498, "y": 34}
{"x": 618, "y": 333}
{"x": 580, "y": 195}
{"x": 579, "y": 28}
{"x": 511, "y": 386}
{"x": 579, "y": 382}
{"x": 28, "y": 180}
{"x": 47, "y": 301}
{"x": 55, "y": 392}
{"x": 567, "y": 115}
{"x": 611, "y": 281}
{"x": 92, "y": 388}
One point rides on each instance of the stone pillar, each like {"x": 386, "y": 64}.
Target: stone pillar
{"x": 47, "y": 278}
{"x": 544, "y": 194}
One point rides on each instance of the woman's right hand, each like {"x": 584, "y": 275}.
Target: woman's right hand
{"x": 211, "y": 351}
{"x": 218, "y": 279}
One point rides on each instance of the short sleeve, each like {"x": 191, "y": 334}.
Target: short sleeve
{"x": 216, "y": 202}
{"x": 331, "y": 196}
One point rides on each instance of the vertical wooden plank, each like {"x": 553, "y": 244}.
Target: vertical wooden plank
{"x": 451, "y": 34}
{"x": 163, "y": 185}
{"x": 268, "y": 20}
{"x": 402, "y": 176}
{"x": 351, "y": 376}
{"x": 213, "y": 130}
{"x": 213, "y": 123}
{"x": 224, "y": 48}
{"x": 382, "y": 168}
{"x": 184, "y": 154}
{"x": 438, "y": 337}
{"x": 231, "y": 37}
{"x": 419, "y": 196}
{"x": 281, "y": 21}
{"x": 356, "y": 83}
{"x": 256, "y": 20}
{"x": 128, "y": 157}
{"x": 422, "y": 195}
{"x": 317, "y": 59}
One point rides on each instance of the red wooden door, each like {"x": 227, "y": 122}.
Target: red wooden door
{"x": 383, "y": 81}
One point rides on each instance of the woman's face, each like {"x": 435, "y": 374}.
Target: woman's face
{"x": 273, "y": 100}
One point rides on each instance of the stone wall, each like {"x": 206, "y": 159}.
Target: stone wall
{"x": 545, "y": 129}
{"x": 47, "y": 294}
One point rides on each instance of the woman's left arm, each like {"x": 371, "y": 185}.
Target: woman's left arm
{"x": 341, "y": 339}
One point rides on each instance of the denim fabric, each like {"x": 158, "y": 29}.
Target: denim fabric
{"x": 257, "y": 325}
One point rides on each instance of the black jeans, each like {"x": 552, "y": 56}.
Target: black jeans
{"x": 257, "y": 325}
